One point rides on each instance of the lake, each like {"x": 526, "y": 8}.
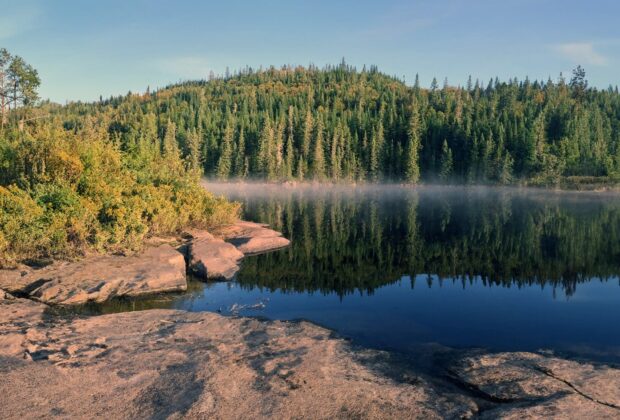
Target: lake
{"x": 396, "y": 267}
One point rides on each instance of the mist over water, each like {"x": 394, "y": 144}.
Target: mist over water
{"x": 397, "y": 267}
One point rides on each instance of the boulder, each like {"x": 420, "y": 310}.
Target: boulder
{"x": 253, "y": 238}
{"x": 213, "y": 259}
{"x": 100, "y": 278}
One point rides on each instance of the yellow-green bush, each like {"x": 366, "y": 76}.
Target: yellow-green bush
{"x": 66, "y": 192}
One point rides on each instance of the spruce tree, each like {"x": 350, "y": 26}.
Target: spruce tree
{"x": 412, "y": 164}
{"x": 193, "y": 152}
{"x": 240, "y": 158}
{"x": 446, "y": 162}
{"x": 318, "y": 155}
{"x": 266, "y": 163}
{"x": 224, "y": 163}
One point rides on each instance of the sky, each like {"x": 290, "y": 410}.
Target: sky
{"x": 87, "y": 48}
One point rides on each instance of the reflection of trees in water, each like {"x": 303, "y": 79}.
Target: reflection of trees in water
{"x": 345, "y": 243}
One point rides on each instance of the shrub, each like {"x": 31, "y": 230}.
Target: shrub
{"x": 67, "y": 192}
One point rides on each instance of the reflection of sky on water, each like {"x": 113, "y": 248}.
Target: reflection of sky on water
{"x": 399, "y": 317}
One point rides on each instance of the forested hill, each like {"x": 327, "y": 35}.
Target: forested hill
{"x": 341, "y": 124}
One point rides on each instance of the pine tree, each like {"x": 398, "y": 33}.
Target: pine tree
{"x": 240, "y": 158}
{"x": 193, "y": 152}
{"x": 290, "y": 151}
{"x": 446, "y": 162}
{"x": 307, "y": 137}
{"x": 579, "y": 84}
{"x": 171, "y": 154}
{"x": 170, "y": 146}
{"x": 375, "y": 142}
{"x": 301, "y": 168}
{"x": 279, "y": 147}
{"x": 412, "y": 164}
{"x": 224, "y": 163}
{"x": 336, "y": 155}
{"x": 266, "y": 163}
{"x": 318, "y": 156}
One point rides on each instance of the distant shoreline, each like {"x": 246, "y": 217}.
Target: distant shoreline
{"x": 577, "y": 188}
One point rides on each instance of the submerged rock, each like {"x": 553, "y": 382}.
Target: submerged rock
{"x": 252, "y": 238}
{"x": 211, "y": 258}
{"x": 100, "y": 278}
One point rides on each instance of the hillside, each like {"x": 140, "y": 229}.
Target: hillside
{"x": 338, "y": 123}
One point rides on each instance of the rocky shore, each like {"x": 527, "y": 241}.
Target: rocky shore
{"x": 160, "y": 268}
{"x": 175, "y": 364}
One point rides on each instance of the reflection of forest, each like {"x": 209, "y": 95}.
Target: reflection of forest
{"x": 345, "y": 242}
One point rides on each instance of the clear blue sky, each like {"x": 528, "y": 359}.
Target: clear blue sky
{"x": 87, "y": 48}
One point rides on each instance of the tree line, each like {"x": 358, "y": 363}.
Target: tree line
{"x": 341, "y": 124}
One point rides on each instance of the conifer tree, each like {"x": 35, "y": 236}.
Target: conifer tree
{"x": 170, "y": 146}
{"x": 318, "y": 156}
{"x": 266, "y": 163}
{"x": 193, "y": 152}
{"x": 412, "y": 164}
{"x": 171, "y": 153}
{"x": 373, "y": 163}
{"x": 224, "y": 163}
{"x": 446, "y": 162}
{"x": 336, "y": 155}
{"x": 240, "y": 158}
{"x": 290, "y": 140}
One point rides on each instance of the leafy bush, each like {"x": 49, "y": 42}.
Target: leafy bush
{"x": 65, "y": 192}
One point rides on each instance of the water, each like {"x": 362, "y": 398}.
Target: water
{"x": 395, "y": 268}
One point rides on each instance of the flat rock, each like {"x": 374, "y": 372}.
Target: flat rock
{"x": 175, "y": 364}
{"x": 211, "y": 258}
{"x": 252, "y": 238}
{"x": 100, "y": 278}
{"x": 528, "y": 385}
{"x": 17, "y": 317}
{"x": 197, "y": 234}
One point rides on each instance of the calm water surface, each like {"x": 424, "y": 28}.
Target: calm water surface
{"x": 394, "y": 267}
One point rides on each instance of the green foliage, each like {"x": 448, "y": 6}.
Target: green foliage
{"x": 412, "y": 166}
{"x": 342, "y": 124}
{"x": 67, "y": 192}
{"x": 446, "y": 162}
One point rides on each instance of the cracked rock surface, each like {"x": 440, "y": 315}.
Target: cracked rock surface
{"x": 100, "y": 278}
{"x": 172, "y": 364}
{"x": 527, "y": 385}
{"x": 176, "y": 364}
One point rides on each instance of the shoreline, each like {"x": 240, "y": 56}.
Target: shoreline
{"x": 292, "y": 185}
{"x": 175, "y": 363}
{"x": 161, "y": 267}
